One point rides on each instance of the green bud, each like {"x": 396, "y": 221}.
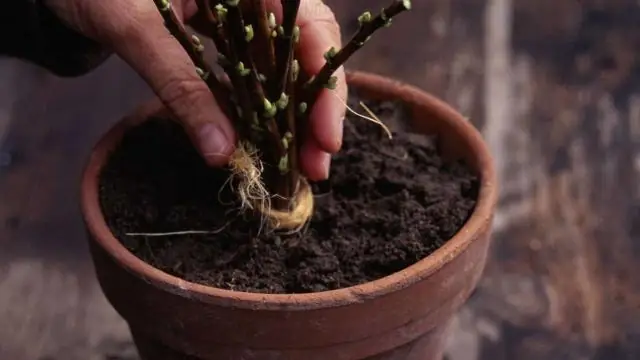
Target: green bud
{"x": 296, "y": 34}
{"x": 262, "y": 78}
{"x": 283, "y": 101}
{"x": 280, "y": 31}
{"x": 197, "y": 45}
{"x": 283, "y": 164}
{"x": 233, "y": 3}
{"x": 286, "y": 140}
{"x": 203, "y": 75}
{"x": 288, "y": 135}
{"x": 272, "y": 21}
{"x": 329, "y": 55}
{"x": 270, "y": 110}
{"x": 295, "y": 69}
{"x": 406, "y": 4}
{"x": 248, "y": 33}
{"x": 302, "y": 108}
{"x": 165, "y": 5}
{"x": 365, "y": 18}
{"x": 242, "y": 70}
{"x": 221, "y": 12}
{"x": 274, "y": 34}
{"x": 332, "y": 83}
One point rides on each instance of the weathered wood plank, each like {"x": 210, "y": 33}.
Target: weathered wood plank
{"x": 50, "y": 304}
{"x": 560, "y": 283}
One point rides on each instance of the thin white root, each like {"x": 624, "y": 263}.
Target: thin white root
{"x": 179, "y": 233}
{"x": 176, "y": 233}
{"x": 247, "y": 169}
{"x": 374, "y": 119}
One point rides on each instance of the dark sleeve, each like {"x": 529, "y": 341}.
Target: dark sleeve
{"x": 30, "y": 31}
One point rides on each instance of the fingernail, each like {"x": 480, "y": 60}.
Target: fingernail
{"x": 326, "y": 165}
{"x": 214, "y": 144}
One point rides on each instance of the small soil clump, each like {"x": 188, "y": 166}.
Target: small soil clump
{"x": 388, "y": 204}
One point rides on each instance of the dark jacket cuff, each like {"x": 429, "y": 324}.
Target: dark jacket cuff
{"x": 30, "y": 31}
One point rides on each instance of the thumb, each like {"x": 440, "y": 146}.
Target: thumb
{"x": 153, "y": 52}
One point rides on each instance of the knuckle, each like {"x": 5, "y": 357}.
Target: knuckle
{"x": 320, "y": 14}
{"x": 126, "y": 23}
{"x": 181, "y": 94}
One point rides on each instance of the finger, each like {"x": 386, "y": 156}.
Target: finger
{"x": 319, "y": 31}
{"x": 189, "y": 9}
{"x": 314, "y": 161}
{"x": 328, "y": 114}
{"x": 152, "y": 51}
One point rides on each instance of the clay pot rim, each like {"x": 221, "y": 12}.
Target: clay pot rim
{"x": 479, "y": 219}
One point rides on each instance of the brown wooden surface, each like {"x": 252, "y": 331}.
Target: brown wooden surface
{"x": 553, "y": 84}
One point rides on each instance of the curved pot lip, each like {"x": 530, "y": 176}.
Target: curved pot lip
{"x": 478, "y": 222}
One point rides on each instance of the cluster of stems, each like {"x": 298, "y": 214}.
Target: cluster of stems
{"x": 267, "y": 97}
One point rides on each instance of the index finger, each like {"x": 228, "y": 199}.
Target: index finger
{"x": 319, "y": 32}
{"x": 316, "y": 37}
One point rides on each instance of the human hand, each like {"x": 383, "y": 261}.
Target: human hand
{"x": 135, "y": 31}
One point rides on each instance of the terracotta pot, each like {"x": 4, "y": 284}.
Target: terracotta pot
{"x": 403, "y": 316}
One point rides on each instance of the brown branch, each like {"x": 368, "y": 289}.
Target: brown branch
{"x": 244, "y": 113}
{"x": 255, "y": 13}
{"x": 239, "y": 44}
{"x": 274, "y": 150}
{"x": 368, "y": 26}
{"x": 216, "y": 32}
{"x": 290, "y": 116}
{"x": 282, "y": 87}
{"x": 194, "y": 49}
{"x": 239, "y": 39}
{"x": 287, "y": 36}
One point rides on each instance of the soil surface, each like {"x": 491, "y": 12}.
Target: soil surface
{"x": 388, "y": 204}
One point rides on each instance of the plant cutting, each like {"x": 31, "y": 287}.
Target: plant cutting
{"x": 254, "y": 261}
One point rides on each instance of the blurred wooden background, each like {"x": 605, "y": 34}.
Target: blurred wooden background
{"x": 554, "y": 86}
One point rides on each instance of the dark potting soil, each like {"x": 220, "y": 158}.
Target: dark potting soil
{"x": 387, "y": 205}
